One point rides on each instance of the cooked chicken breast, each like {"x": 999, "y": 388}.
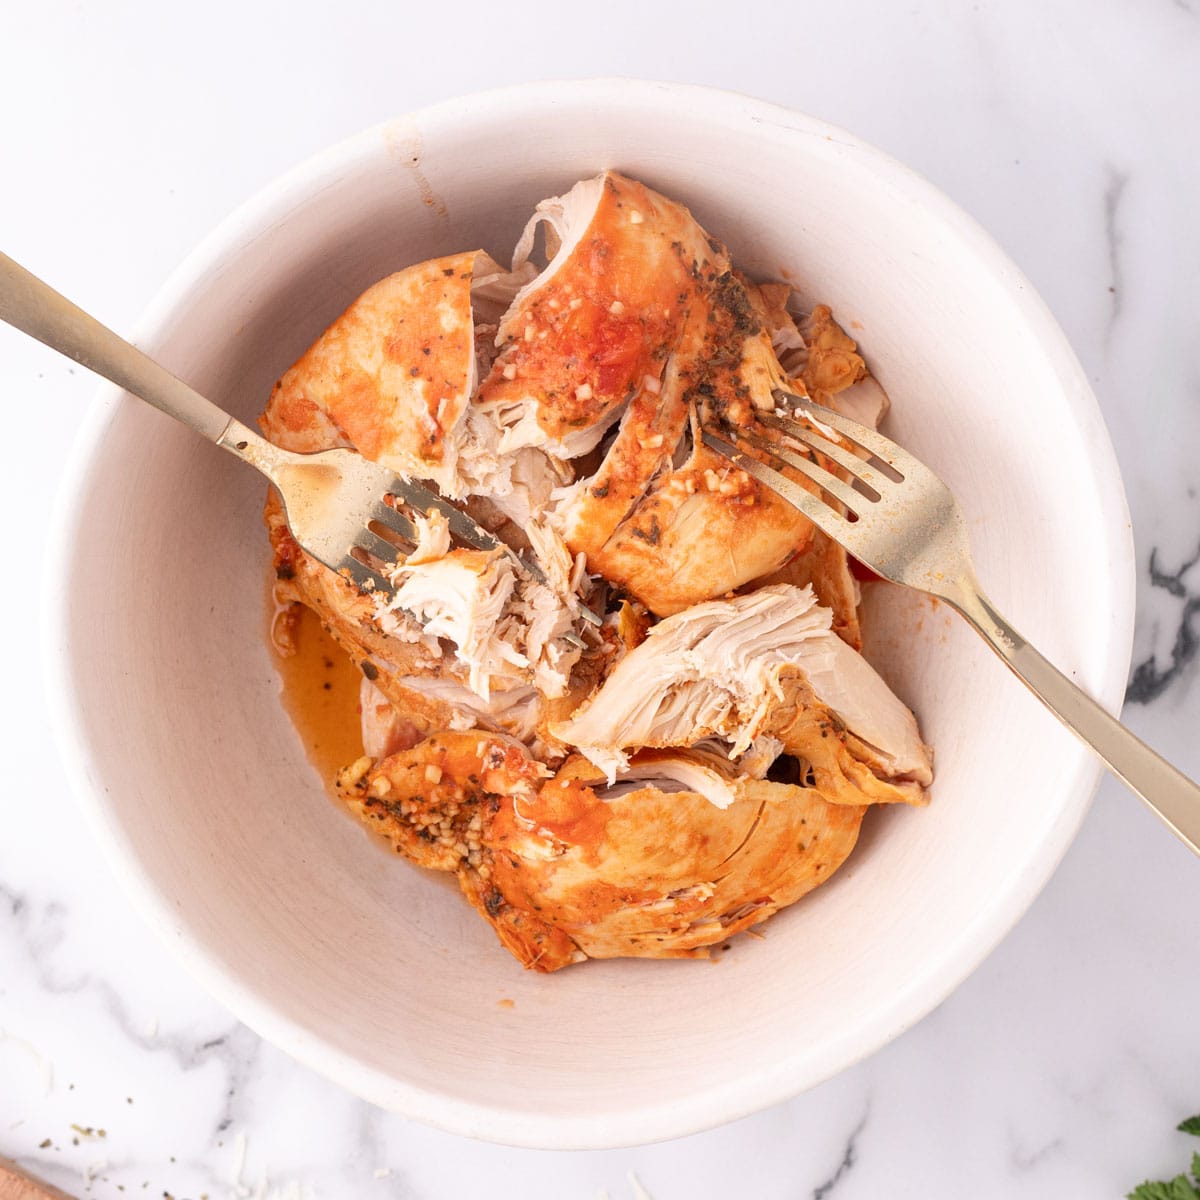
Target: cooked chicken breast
{"x": 596, "y": 327}
{"x": 393, "y": 377}
{"x": 566, "y": 869}
{"x": 764, "y": 663}
{"x": 430, "y": 688}
{"x": 638, "y": 318}
{"x": 704, "y": 756}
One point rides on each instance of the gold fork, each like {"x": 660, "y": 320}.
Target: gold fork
{"x": 331, "y": 498}
{"x": 902, "y": 522}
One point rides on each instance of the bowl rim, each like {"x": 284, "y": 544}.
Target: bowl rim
{"x": 746, "y": 1095}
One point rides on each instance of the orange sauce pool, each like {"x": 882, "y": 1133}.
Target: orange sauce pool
{"x": 319, "y": 693}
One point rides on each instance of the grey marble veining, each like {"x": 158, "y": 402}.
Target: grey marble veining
{"x": 1153, "y": 675}
{"x": 848, "y": 1159}
{"x": 1117, "y": 182}
{"x": 1060, "y": 1068}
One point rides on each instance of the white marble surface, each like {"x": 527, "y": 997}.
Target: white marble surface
{"x": 1069, "y": 129}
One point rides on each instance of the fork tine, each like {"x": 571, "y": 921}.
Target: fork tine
{"x": 882, "y": 448}
{"x": 821, "y": 514}
{"x": 826, "y": 480}
{"x": 464, "y": 528}
{"x": 859, "y": 468}
{"x": 366, "y": 577}
{"x": 592, "y": 618}
{"x": 380, "y": 547}
{"x": 394, "y": 520}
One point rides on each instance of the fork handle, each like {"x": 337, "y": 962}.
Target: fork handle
{"x": 1170, "y": 794}
{"x": 37, "y": 309}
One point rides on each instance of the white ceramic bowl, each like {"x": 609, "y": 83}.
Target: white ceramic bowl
{"x": 378, "y": 974}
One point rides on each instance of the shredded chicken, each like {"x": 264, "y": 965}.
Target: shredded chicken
{"x": 722, "y": 669}
{"x": 663, "y": 732}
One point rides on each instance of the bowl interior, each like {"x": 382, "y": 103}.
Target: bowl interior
{"x": 378, "y": 973}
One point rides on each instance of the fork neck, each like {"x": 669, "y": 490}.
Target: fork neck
{"x": 966, "y": 596}
{"x": 251, "y": 447}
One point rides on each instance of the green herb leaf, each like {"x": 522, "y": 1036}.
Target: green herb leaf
{"x": 1179, "y": 1188}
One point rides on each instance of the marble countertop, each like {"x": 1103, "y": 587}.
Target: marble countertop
{"x": 1061, "y": 1067}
